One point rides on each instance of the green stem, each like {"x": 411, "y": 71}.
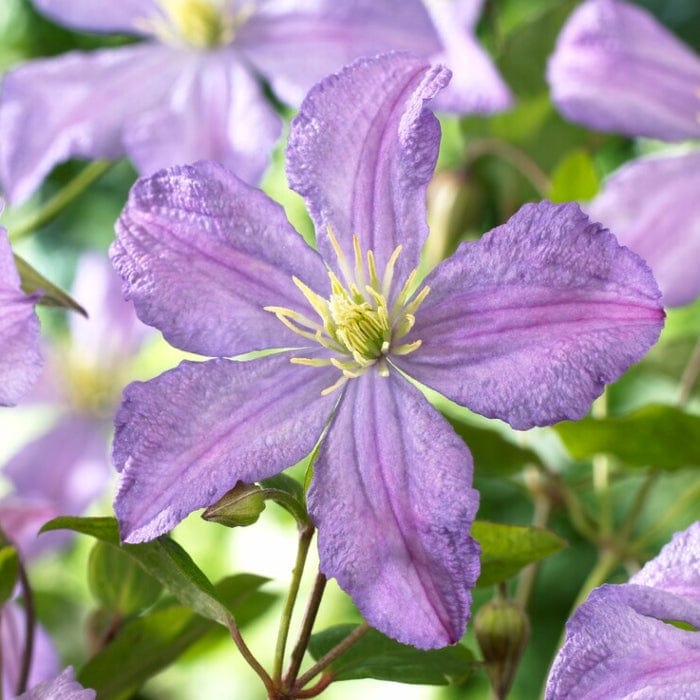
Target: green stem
{"x": 526, "y": 580}
{"x": 637, "y": 507}
{"x": 601, "y": 476}
{"x": 250, "y": 659}
{"x": 328, "y": 658}
{"x": 30, "y": 624}
{"x": 306, "y": 627}
{"x": 56, "y": 204}
{"x": 290, "y": 504}
{"x": 690, "y": 376}
{"x": 306, "y": 534}
{"x": 607, "y": 561}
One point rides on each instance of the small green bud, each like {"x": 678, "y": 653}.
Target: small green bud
{"x": 238, "y": 507}
{"x": 502, "y": 630}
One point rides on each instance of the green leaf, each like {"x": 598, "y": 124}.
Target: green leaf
{"x": 9, "y": 571}
{"x": 493, "y": 454}
{"x": 575, "y": 178}
{"x": 118, "y": 582}
{"x": 163, "y": 558}
{"x": 664, "y": 437}
{"x": 147, "y": 645}
{"x": 33, "y": 281}
{"x": 377, "y": 656}
{"x": 505, "y": 549}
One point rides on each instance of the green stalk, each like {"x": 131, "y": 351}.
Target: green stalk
{"x": 56, "y": 204}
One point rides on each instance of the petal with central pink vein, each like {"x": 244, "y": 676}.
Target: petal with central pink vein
{"x": 186, "y": 437}
{"x": 202, "y": 254}
{"x": 393, "y": 501}
{"x": 529, "y": 323}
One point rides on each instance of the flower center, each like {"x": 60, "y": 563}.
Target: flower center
{"x": 202, "y": 24}
{"x": 356, "y": 322}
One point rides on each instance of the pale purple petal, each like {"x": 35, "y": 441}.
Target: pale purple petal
{"x": 63, "y": 687}
{"x": 99, "y": 15}
{"x": 476, "y": 85}
{"x": 112, "y": 333}
{"x": 22, "y": 518}
{"x": 529, "y": 323}
{"x": 616, "y": 68}
{"x": 186, "y": 437}
{"x": 44, "y": 664}
{"x": 202, "y": 254}
{"x": 296, "y": 44}
{"x": 392, "y": 499}
{"x": 76, "y": 105}
{"x": 216, "y": 111}
{"x": 66, "y": 467}
{"x": 20, "y": 360}
{"x": 620, "y": 644}
{"x": 361, "y": 152}
{"x": 652, "y": 206}
{"x": 676, "y": 568}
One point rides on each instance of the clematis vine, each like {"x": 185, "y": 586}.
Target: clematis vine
{"x": 616, "y": 68}
{"x": 20, "y": 358}
{"x": 190, "y": 89}
{"x": 526, "y": 325}
{"x": 639, "y": 639}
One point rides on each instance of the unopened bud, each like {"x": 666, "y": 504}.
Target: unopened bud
{"x": 502, "y": 630}
{"x": 238, "y": 507}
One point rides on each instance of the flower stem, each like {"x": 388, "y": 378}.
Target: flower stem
{"x": 306, "y": 627}
{"x": 328, "y": 658}
{"x": 250, "y": 659}
{"x": 306, "y": 534}
{"x": 526, "y": 580}
{"x": 601, "y": 476}
{"x": 56, "y": 204}
{"x": 30, "y": 623}
{"x": 690, "y": 376}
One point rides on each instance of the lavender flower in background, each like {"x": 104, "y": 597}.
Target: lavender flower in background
{"x": 20, "y": 359}
{"x": 62, "y": 687}
{"x": 624, "y": 641}
{"x": 66, "y": 468}
{"x": 615, "y": 68}
{"x": 190, "y": 90}
{"x": 526, "y": 325}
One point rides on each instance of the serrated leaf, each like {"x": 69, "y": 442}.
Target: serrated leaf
{"x": 575, "y": 178}
{"x": 659, "y": 436}
{"x": 149, "y": 644}
{"x": 51, "y": 295}
{"x": 163, "y": 558}
{"x": 505, "y": 549}
{"x": 9, "y": 572}
{"x": 377, "y": 656}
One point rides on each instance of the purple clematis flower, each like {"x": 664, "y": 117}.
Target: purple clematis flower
{"x": 616, "y": 68}
{"x": 624, "y": 640}
{"x": 526, "y": 325}
{"x": 190, "y": 90}
{"x": 62, "y": 471}
{"x": 20, "y": 358}
{"x": 62, "y": 687}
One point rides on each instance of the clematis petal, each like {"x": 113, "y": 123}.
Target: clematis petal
{"x": 651, "y": 205}
{"x": 619, "y": 644}
{"x": 369, "y": 178}
{"x": 76, "y": 105}
{"x": 476, "y": 85}
{"x": 529, "y": 323}
{"x": 66, "y": 467}
{"x": 62, "y": 687}
{"x": 186, "y": 437}
{"x": 20, "y": 361}
{"x": 216, "y": 111}
{"x": 98, "y": 15}
{"x": 392, "y": 499}
{"x": 22, "y": 518}
{"x": 676, "y": 569}
{"x": 616, "y": 68}
{"x": 202, "y": 254}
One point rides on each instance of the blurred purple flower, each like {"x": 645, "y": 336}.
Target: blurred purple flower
{"x": 526, "y": 325}
{"x": 615, "y": 68}
{"x": 62, "y": 687}
{"x": 20, "y": 358}
{"x": 66, "y": 468}
{"x": 191, "y": 90}
{"x": 624, "y": 640}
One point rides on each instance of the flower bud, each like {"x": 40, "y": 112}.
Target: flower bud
{"x": 502, "y": 630}
{"x": 238, "y": 507}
